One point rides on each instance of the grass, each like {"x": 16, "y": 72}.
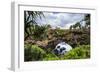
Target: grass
{"x": 35, "y": 53}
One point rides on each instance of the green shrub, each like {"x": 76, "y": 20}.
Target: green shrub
{"x": 51, "y": 56}
{"x": 81, "y": 52}
{"x": 33, "y": 53}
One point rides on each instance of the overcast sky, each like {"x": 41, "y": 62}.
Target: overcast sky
{"x": 58, "y": 19}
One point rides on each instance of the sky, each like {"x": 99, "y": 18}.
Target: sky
{"x": 59, "y": 19}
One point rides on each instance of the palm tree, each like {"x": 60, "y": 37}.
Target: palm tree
{"x": 78, "y": 25}
{"x": 71, "y": 27}
{"x": 30, "y": 20}
{"x": 40, "y": 32}
{"x": 87, "y": 20}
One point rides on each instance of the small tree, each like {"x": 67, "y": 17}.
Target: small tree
{"x": 30, "y": 20}
{"x": 87, "y": 20}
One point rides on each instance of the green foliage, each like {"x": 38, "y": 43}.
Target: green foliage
{"x": 47, "y": 38}
{"x": 76, "y": 25}
{"x": 81, "y": 52}
{"x": 33, "y": 53}
{"x": 51, "y": 56}
{"x": 40, "y": 32}
{"x": 29, "y": 20}
{"x": 27, "y": 52}
{"x": 59, "y": 32}
{"x": 87, "y": 19}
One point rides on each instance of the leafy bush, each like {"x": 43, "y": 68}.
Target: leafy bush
{"x": 51, "y": 56}
{"x": 33, "y": 53}
{"x": 81, "y": 52}
{"x": 40, "y": 32}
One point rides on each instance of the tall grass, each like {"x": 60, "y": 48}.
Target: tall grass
{"x": 35, "y": 53}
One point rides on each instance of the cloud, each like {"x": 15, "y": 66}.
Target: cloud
{"x": 58, "y": 19}
{"x": 67, "y": 26}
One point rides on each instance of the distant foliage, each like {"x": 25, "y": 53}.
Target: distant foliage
{"x": 40, "y": 32}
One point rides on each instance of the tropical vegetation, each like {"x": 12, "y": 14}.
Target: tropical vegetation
{"x": 40, "y": 40}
